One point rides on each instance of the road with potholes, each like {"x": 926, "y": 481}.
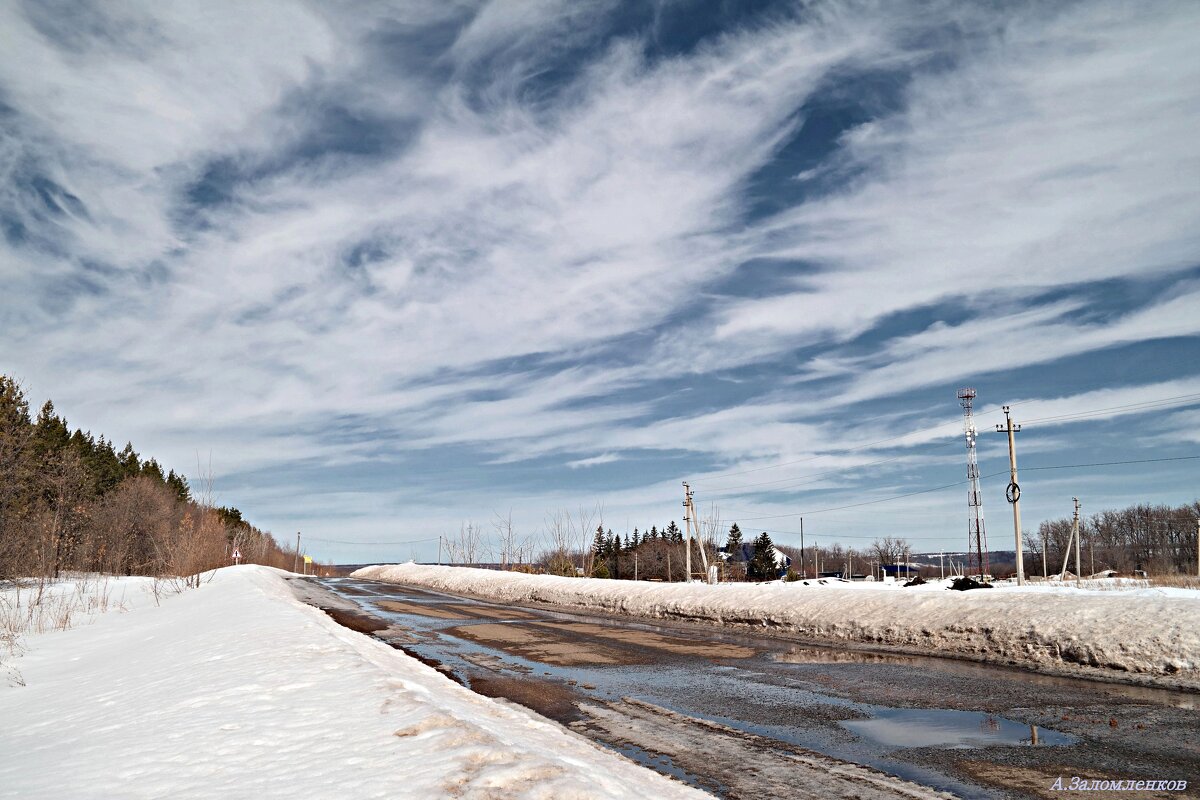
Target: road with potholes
{"x": 760, "y": 716}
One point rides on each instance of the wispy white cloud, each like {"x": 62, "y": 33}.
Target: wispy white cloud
{"x": 521, "y": 265}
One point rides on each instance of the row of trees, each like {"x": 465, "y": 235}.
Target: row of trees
{"x": 71, "y": 501}
{"x": 662, "y": 556}
{"x": 652, "y": 555}
{"x": 1162, "y": 540}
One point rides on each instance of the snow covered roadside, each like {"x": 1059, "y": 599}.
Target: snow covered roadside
{"x": 1136, "y": 636}
{"x": 238, "y": 690}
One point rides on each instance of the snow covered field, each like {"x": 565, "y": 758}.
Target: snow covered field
{"x": 238, "y": 690}
{"x": 1142, "y": 634}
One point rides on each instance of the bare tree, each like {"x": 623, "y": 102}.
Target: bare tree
{"x": 560, "y": 530}
{"x": 465, "y": 547}
{"x": 513, "y": 548}
{"x": 887, "y": 550}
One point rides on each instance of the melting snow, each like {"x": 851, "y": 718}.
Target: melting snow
{"x": 1151, "y": 633}
{"x": 238, "y": 690}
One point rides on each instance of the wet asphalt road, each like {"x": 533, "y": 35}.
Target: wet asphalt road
{"x": 954, "y": 726}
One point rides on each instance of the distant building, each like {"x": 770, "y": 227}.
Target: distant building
{"x": 909, "y": 568}
{"x": 783, "y": 562}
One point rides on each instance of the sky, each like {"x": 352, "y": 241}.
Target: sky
{"x": 384, "y": 270}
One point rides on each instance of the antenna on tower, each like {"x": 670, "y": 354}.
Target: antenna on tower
{"x": 977, "y": 551}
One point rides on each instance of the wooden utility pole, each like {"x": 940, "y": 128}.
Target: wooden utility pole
{"x": 1079, "y": 563}
{"x": 296, "y": 561}
{"x": 690, "y": 519}
{"x": 804, "y": 569}
{"x": 687, "y": 536}
{"x": 1013, "y": 493}
{"x": 1045, "y": 570}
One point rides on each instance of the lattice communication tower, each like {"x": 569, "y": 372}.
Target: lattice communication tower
{"x": 977, "y": 552}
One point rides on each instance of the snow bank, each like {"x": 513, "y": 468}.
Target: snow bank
{"x": 1148, "y": 638}
{"x": 238, "y": 690}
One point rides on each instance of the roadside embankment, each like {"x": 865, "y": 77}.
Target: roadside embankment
{"x": 1134, "y": 637}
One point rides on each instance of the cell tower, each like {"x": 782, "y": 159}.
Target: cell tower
{"x": 977, "y": 551}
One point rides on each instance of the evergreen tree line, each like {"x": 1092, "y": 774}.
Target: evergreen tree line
{"x": 1158, "y": 539}
{"x": 72, "y": 501}
{"x": 655, "y": 555}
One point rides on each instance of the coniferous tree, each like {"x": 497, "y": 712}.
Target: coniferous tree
{"x": 70, "y": 501}
{"x": 599, "y": 554}
{"x": 672, "y": 533}
{"x": 16, "y": 469}
{"x": 733, "y": 546}
{"x": 599, "y": 546}
{"x": 653, "y": 533}
{"x": 50, "y": 434}
{"x": 179, "y": 485}
{"x": 131, "y": 463}
{"x": 633, "y": 540}
{"x": 152, "y": 470}
{"x": 106, "y": 469}
{"x": 762, "y": 566}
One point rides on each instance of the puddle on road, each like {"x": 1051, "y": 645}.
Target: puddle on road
{"x": 807, "y": 654}
{"x": 496, "y": 650}
{"x": 955, "y": 730}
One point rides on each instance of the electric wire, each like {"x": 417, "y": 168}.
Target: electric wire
{"x": 728, "y": 489}
{"x": 1145, "y": 405}
{"x": 960, "y": 483}
{"x": 1180, "y": 400}
{"x": 342, "y": 541}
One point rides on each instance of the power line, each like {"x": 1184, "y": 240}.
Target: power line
{"x": 342, "y": 541}
{"x": 1144, "y": 405}
{"x": 1183, "y": 399}
{"x": 837, "y": 537}
{"x": 960, "y": 483}
{"x": 721, "y": 489}
{"x": 1111, "y": 463}
{"x": 832, "y": 453}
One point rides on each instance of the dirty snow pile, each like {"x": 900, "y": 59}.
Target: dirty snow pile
{"x": 237, "y": 690}
{"x": 1142, "y": 637}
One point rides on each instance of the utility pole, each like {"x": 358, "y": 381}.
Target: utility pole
{"x": 1198, "y": 547}
{"x": 690, "y": 519}
{"x": 1045, "y": 545}
{"x": 804, "y": 570}
{"x": 296, "y": 562}
{"x": 1067, "y": 555}
{"x": 687, "y": 526}
{"x": 439, "y": 550}
{"x": 1079, "y": 565}
{"x": 1013, "y": 493}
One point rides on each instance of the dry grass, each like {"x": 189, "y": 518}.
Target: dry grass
{"x": 38, "y": 606}
{"x": 1176, "y": 581}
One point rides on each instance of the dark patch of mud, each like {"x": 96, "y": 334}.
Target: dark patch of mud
{"x": 548, "y": 698}
{"x": 354, "y": 620}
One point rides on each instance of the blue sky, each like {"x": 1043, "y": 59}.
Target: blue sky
{"x": 392, "y": 269}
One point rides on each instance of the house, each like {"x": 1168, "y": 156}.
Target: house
{"x": 783, "y": 562}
